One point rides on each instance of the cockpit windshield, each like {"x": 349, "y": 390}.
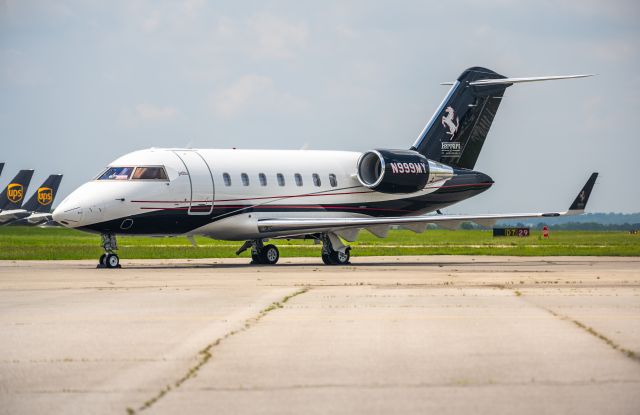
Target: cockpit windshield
{"x": 135, "y": 173}
{"x": 117, "y": 173}
{"x": 150, "y": 173}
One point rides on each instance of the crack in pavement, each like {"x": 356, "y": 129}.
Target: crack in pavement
{"x": 206, "y": 354}
{"x": 615, "y": 346}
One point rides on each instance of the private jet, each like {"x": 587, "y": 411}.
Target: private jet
{"x": 328, "y": 196}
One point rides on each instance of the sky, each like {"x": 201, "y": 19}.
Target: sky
{"x": 83, "y": 82}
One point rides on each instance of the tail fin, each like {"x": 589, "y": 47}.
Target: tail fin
{"x": 13, "y": 194}
{"x": 44, "y": 196}
{"x": 456, "y": 132}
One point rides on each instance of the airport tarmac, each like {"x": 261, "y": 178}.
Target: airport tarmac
{"x": 439, "y": 334}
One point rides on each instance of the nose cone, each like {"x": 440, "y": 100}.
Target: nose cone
{"x": 68, "y": 213}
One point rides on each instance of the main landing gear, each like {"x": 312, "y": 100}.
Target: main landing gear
{"x": 334, "y": 252}
{"x": 109, "y": 259}
{"x": 260, "y": 253}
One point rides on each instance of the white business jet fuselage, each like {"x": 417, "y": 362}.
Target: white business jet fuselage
{"x": 225, "y": 193}
{"x": 252, "y": 195}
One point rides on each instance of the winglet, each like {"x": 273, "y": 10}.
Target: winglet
{"x": 580, "y": 203}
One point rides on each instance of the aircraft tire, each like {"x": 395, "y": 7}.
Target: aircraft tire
{"x": 102, "y": 261}
{"x": 340, "y": 258}
{"x": 112, "y": 261}
{"x": 327, "y": 259}
{"x": 256, "y": 259}
{"x": 270, "y": 255}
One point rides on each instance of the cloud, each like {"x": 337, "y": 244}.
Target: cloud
{"x": 614, "y": 50}
{"x": 154, "y": 16}
{"x": 237, "y": 97}
{"x": 254, "y": 92}
{"x": 276, "y": 37}
{"x": 262, "y": 36}
{"x": 147, "y": 114}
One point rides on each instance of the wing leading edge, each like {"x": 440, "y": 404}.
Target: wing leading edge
{"x": 415, "y": 223}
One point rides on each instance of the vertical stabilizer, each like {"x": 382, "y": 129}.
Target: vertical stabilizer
{"x": 456, "y": 132}
{"x": 43, "y": 197}
{"x": 13, "y": 195}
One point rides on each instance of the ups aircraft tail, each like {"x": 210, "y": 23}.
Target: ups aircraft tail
{"x": 13, "y": 195}
{"x": 456, "y": 132}
{"x": 43, "y": 197}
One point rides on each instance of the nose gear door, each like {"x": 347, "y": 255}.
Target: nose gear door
{"x": 201, "y": 179}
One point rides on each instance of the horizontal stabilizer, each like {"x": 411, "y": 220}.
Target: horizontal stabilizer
{"x": 511, "y": 81}
{"x": 503, "y": 81}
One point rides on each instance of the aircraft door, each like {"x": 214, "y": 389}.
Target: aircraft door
{"x": 201, "y": 180}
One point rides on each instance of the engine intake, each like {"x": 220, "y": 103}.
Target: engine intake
{"x": 399, "y": 171}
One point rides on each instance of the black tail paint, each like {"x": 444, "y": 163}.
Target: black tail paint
{"x": 13, "y": 194}
{"x": 583, "y": 197}
{"x": 1, "y": 167}
{"x": 43, "y": 197}
{"x": 456, "y": 132}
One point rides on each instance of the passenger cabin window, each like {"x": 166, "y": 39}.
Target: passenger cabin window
{"x": 116, "y": 173}
{"x": 280, "y": 178}
{"x": 298, "y": 178}
{"x": 332, "y": 180}
{"x": 316, "y": 180}
{"x": 245, "y": 179}
{"x": 263, "y": 179}
{"x": 227, "y": 179}
{"x": 150, "y": 173}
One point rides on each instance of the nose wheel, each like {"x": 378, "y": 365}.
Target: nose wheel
{"x": 109, "y": 259}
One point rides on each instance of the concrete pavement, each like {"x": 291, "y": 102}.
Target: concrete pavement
{"x": 442, "y": 334}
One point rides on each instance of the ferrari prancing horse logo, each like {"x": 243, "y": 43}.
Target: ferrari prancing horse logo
{"x": 45, "y": 196}
{"x": 15, "y": 192}
{"x": 451, "y": 122}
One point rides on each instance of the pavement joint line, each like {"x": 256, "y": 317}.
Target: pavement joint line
{"x": 455, "y": 382}
{"x": 615, "y": 346}
{"x": 206, "y": 354}
{"x": 452, "y": 383}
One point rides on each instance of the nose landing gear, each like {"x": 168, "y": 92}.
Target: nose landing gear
{"x": 109, "y": 259}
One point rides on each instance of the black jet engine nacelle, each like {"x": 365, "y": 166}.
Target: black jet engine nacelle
{"x": 399, "y": 171}
{"x": 393, "y": 171}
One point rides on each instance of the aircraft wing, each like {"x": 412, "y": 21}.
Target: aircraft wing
{"x": 380, "y": 225}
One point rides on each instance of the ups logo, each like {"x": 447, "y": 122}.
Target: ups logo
{"x": 15, "y": 192}
{"x": 45, "y": 196}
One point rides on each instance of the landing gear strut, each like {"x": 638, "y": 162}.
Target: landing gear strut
{"x": 109, "y": 259}
{"x": 260, "y": 253}
{"x": 334, "y": 252}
